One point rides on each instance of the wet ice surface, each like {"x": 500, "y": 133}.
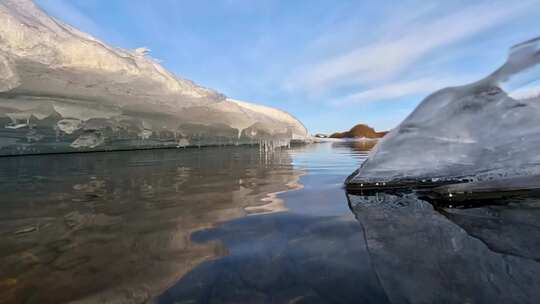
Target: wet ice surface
{"x": 485, "y": 132}
{"x": 203, "y": 226}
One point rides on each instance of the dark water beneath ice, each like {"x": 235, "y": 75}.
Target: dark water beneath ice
{"x": 233, "y": 225}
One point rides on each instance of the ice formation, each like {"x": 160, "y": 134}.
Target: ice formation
{"x": 425, "y": 254}
{"x": 485, "y": 131}
{"x": 68, "y": 91}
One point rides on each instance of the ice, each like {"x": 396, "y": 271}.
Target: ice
{"x": 481, "y": 132}
{"x": 427, "y": 254}
{"x": 73, "y": 92}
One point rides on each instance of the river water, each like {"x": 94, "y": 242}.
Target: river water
{"x": 237, "y": 225}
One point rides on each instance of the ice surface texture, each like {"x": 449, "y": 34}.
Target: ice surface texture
{"x": 62, "y": 90}
{"x": 487, "y": 130}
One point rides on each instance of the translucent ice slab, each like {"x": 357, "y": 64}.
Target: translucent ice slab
{"x": 482, "y": 132}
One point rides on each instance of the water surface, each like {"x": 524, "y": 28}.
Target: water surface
{"x": 235, "y": 225}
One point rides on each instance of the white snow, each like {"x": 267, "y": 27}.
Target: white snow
{"x": 275, "y": 115}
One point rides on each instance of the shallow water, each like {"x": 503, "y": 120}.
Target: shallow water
{"x": 234, "y": 225}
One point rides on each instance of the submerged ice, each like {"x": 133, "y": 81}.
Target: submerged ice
{"x": 484, "y": 131}
{"x": 72, "y": 92}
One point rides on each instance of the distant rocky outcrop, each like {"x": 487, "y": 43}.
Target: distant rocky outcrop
{"x": 359, "y": 131}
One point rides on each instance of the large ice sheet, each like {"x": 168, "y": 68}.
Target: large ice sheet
{"x": 62, "y": 90}
{"x": 484, "y": 131}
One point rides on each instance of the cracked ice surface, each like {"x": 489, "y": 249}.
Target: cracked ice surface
{"x": 484, "y": 131}
{"x": 77, "y": 93}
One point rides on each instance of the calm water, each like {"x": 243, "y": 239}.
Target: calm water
{"x": 233, "y": 225}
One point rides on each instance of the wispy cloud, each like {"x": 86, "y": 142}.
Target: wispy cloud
{"x": 396, "y": 90}
{"x": 68, "y": 12}
{"x": 401, "y": 46}
{"x": 287, "y": 53}
{"x": 531, "y": 90}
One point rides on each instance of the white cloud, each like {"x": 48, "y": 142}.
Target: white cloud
{"x": 70, "y": 14}
{"x": 527, "y": 92}
{"x": 396, "y": 90}
{"x": 402, "y": 46}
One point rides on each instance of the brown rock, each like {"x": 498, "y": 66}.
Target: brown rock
{"x": 359, "y": 130}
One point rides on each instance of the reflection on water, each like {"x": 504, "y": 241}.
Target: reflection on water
{"x": 314, "y": 253}
{"x": 220, "y": 225}
{"x": 107, "y": 226}
{"x": 424, "y": 253}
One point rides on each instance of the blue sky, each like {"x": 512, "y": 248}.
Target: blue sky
{"x": 332, "y": 64}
